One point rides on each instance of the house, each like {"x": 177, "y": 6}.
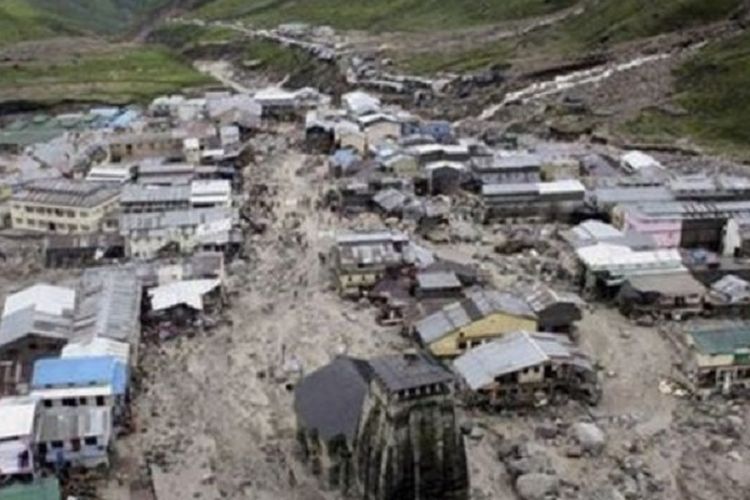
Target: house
{"x": 606, "y": 266}
{"x": 344, "y": 162}
{"x": 440, "y": 131}
{"x": 554, "y": 199}
{"x": 115, "y": 174}
{"x": 139, "y": 145}
{"x": 81, "y": 382}
{"x": 379, "y": 127}
{"x": 81, "y": 250}
{"x": 729, "y": 295}
{"x": 719, "y": 360}
{"x": 360, "y": 103}
{"x": 390, "y": 201}
{"x": 361, "y": 259}
{"x": 20, "y": 416}
{"x": 506, "y": 169}
{"x": 528, "y": 368}
{"x": 165, "y": 174}
{"x": 62, "y": 206}
{"x": 445, "y": 177}
{"x": 183, "y": 303}
{"x": 42, "y": 488}
{"x": 77, "y": 437}
{"x": 555, "y": 311}
{"x": 109, "y": 308}
{"x": 211, "y": 193}
{"x": 672, "y": 295}
{"x": 148, "y": 235}
{"x": 399, "y": 163}
{"x": 36, "y": 323}
{"x": 438, "y": 285}
{"x": 141, "y": 199}
{"x": 593, "y": 232}
{"x": 234, "y": 109}
{"x": 639, "y": 162}
{"x": 482, "y": 316}
{"x": 349, "y": 409}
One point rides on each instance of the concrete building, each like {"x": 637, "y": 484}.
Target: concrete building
{"x": 36, "y": 323}
{"x": 79, "y": 437}
{"x": 141, "y": 199}
{"x": 555, "y": 311}
{"x": 136, "y": 146}
{"x": 63, "y": 206}
{"x": 506, "y": 169}
{"x": 361, "y": 259}
{"x": 671, "y": 295}
{"x": 719, "y": 360}
{"x": 179, "y": 231}
{"x": 483, "y": 316}
{"x": 555, "y": 199}
{"x": 20, "y": 416}
{"x": 528, "y": 368}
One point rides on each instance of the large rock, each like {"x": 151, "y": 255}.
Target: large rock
{"x": 590, "y": 437}
{"x": 536, "y": 486}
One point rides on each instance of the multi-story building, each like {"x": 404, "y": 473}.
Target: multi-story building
{"x": 63, "y": 206}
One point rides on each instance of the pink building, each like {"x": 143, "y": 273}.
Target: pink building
{"x": 665, "y": 229}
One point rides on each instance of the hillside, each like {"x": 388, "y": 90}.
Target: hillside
{"x": 22, "y": 20}
{"x": 380, "y": 15}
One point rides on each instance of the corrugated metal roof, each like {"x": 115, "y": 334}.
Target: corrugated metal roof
{"x": 438, "y": 280}
{"x": 98, "y": 346}
{"x": 67, "y": 193}
{"x": 110, "y": 304}
{"x": 138, "y": 193}
{"x": 71, "y": 372}
{"x": 45, "y": 488}
{"x": 513, "y": 352}
{"x": 722, "y": 341}
{"x": 28, "y": 321}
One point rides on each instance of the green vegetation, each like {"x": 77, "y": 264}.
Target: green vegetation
{"x": 613, "y": 21}
{"x": 714, "y": 89}
{"x": 186, "y": 36}
{"x": 456, "y": 61}
{"x": 380, "y": 15}
{"x": 121, "y": 75}
{"x": 22, "y": 20}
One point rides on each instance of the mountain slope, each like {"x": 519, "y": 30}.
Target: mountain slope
{"x": 33, "y": 19}
{"x": 380, "y": 15}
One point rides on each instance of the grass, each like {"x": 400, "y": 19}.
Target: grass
{"x": 714, "y": 89}
{"x": 125, "y": 74}
{"x": 22, "y": 20}
{"x": 380, "y": 15}
{"x": 427, "y": 63}
{"x": 185, "y": 36}
{"x": 614, "y": 21}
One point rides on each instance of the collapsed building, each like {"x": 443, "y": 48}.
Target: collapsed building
{"x": 383, "y": 429}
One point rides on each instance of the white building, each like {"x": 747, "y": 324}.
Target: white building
{"x": 18, "y": 418}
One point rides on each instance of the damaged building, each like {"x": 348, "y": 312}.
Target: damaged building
{"x": 393, "y": 432}
{"x": 719, "y": 360}
{"x": 528, "y": 368}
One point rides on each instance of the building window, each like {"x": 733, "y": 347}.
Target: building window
{"x": 42, "y": 449}
{"x": 76, "y": 444}
{"x": 48, "y": 403}
{"x": 82, "y": 401}
{"x": 57, "y": 444}
{"x": 100, "y": 401}
{"x": 90, "y": 441}
{"x": 69, "y": 402}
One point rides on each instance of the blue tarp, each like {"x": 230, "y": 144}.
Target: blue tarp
{"x": 80, "y": 371}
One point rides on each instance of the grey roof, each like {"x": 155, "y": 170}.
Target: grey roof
{"x": 110, "y": 304}
{"x": 137, "y": 193}
{"x": 400, "y": 372}
{"x": 631, "y": 194}
{"x": 476, "y": 306}
{"x": 592, "y": 232}
{"x": 678, "y": 284}
{"x": 66, "y": 192}
{"x": 92, "y": 240}
{"x": 29, "y": 321}
{"x": 364, "y": 238}
{"x": 513, "y": 352}
{"x": 496, "y": 163}
{"x": 330, "y": 399}
{"x": 390, "y": 199}
{"x": 513, "y": 189}
{"x": 540, "y": 297}
{"x": 437, "y": 280}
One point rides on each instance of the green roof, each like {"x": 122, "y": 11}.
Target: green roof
{"x": 41, "y": 489}
{"x": 723, "y": 341}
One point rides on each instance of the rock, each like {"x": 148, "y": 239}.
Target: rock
{"x": 590, "y": 437}
{"x": 546, "y": 431}
{"x": 606, "y": 493}
{"x": 536, "y": 486}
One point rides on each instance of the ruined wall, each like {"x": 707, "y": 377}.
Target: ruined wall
{"x": 411, "y": 451}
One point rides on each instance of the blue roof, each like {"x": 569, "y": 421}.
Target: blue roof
{"x": 344, "y": 157}
{"x": 80, "y": 371}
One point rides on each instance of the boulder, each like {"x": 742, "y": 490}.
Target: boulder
{"x": 536, "y": 486}
{"x": 590, "y": 437}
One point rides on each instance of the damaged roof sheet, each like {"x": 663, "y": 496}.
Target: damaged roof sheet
{"x": 188, "y": 293}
